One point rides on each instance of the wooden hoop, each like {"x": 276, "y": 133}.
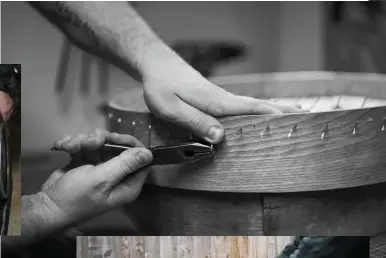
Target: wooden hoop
{"x": 256, "y": 160}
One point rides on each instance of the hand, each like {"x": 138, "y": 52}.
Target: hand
{"x": 91, "y": 188}
{"x": 6, "y": 106}
{"x": 175, "y": 92}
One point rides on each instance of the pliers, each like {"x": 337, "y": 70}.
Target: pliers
{"x": 163, "y": 155}
{"x": 169, "y": 154}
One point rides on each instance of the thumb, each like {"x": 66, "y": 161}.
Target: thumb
{"x": 117, "y": 168}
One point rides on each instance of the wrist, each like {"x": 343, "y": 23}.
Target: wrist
{"x": 158, "y": 60}
{"x": 41, "y": 216}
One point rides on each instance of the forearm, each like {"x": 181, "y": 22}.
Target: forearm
{"x": 112, "y": 30}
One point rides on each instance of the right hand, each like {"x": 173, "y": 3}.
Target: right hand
{"x": 90, "y": 187}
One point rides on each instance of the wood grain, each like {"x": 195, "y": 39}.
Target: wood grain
{"x": 351, "y": 212}
{"x": 249, "y": 162}
{"x": 182, "y": 246}
{"x": 358, "y": 211}
{"x": 164, "y": 211}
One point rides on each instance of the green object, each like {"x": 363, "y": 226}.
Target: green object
{"x": 327, "y": 247}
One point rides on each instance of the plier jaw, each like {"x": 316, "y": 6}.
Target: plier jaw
{"x": 182, "y": 153}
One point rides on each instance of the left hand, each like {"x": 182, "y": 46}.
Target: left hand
{"x": 6, "y": 106}
{"x": 177, "y": 93}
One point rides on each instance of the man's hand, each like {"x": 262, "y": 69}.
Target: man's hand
{"x": 90, "y": 188}
{"x": 175, "y": 92}
{"x": 6, "y": 106}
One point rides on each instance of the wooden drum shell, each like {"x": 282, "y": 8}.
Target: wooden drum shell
{"x": 164, "y": 211}
{"x": 266, "y": 184}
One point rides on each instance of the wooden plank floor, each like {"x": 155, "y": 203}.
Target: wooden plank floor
{"x": 181, "y": 246}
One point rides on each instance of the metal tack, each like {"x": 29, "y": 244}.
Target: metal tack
{"x": 384, "y": 125}
{"x": 133, "y": 129}
{"x": 265, "y": 131}
{"x": 292, "y": 130}
{"x": 110, "y": 115}
{"x": 119, "y": 120}
{"x": 354, "y": 131}
{"x": 149, "y": 140}
{"x": 337, "y": 105}
{"x": 324, "y": 132}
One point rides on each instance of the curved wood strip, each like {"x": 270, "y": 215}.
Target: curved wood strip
{"x": 312, "y": 158}
{"x": 247, "y": 162}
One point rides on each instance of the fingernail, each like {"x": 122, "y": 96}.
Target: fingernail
{"x": 143, "y": 158}
{"x": 214, "y": 133}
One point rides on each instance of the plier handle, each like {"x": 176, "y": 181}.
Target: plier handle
{"x": 163, "y": 155}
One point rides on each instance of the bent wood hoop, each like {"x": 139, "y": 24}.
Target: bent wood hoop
{"x": 271, "y": 184}
{"x": 253, "y": 159}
